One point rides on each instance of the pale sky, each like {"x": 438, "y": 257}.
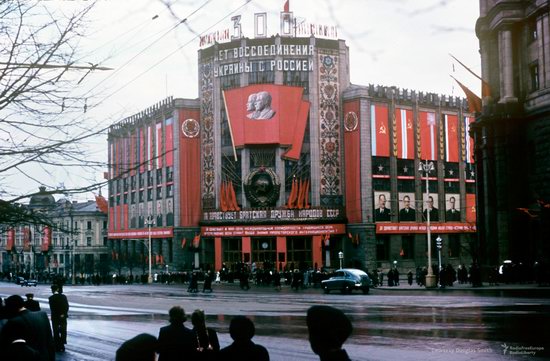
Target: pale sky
{"x": 403, "y": 43}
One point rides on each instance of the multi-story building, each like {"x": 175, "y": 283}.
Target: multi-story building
{"x": 513, "y": 130}
{"x": 282, "y": 161}
{"x": 74, "y": 242}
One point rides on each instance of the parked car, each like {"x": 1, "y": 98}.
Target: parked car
{"x": 29, "y": 283}
{"x": 346, "y": 280}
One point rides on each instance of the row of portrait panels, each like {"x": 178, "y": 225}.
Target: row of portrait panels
{"x": 408, "y": 206}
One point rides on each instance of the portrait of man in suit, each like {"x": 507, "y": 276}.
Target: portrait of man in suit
{"x": 407, "y": 213}
{"x": 382, "y": 213}
{"x": 452, "y": 214}
{"x": 430, "y": 207}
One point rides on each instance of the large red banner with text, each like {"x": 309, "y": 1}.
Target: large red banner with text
{"x": 267, "y": 114}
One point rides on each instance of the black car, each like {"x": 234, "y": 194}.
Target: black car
{"x": 29, "y": 283}
{"x": 346, "y": 280}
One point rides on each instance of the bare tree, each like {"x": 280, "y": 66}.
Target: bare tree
{"x": 43, "y": 126}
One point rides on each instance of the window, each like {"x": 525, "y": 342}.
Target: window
{"x": 534, "y": 73}
{"x": 454, "y": 245}
{"x": 382, "y": 247}
{"x": 532, "y": 27}
{"x": 230, "y": 81}
{"x": 104, "y": 224}
{"x": 159, "y": 176}
{"x": 89, "y": 225}
{"x": 159, "y": 192}
{"x": 297, "y": 78}
{"x": 299, "y": 251}
{"x": 169, "y": 174}
{"x": 89, "y": 241}
{"x": 231, "y": 250}
{"x": 407, "y": 247}
{"x": 150, "y": 195}
{"x": 169, "y": 190}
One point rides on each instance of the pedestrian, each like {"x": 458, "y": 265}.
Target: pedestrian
{"x": 175, "y": 341}
{"x": 207, "y": 282}
{"x": 244, "y": 280}
{"x": 139, "y": 348}
{"x": 208, "y": 345}
{"x": 277, "y": 280}
{"x": 410, "y": 278}
{"x": 193, "y": 283}
{"x": 30, "y": 303}
{"x": 328, "y": 329}
{"x": 33, "y": 327}
{"x": 59, "y": 312}
{"x": 241, "y": 330}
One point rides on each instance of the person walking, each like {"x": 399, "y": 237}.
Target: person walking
{"x": 208, "y": 345}
{"x": 328, "y": 329}
{"x": 59, "y": 308}
{"x": 175, "y": 341}
{"x": 33, "y": 327}
{"x": 142, "y": 347}
{"x": 410, "y": 278}
{"x": 241, "y": 330}
{"x": 207, "y": 286}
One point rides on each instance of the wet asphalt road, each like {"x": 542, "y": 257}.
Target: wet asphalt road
{"x": 389, "y": 324}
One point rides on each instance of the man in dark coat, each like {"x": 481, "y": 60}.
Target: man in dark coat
{"x": 139, "y": 348}
{"x": 33, "y": 327}
{"x": 407, "y": 213}
{"x": 31, "y": 304}
{"x": 175, "y": 341}
{"x": 382, "y": 213}
{"x": 328, "y": 329}
{"x": 59, "y": 307}
{"x": 241, "y": 330}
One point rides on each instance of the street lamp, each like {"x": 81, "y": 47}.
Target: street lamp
{"x": 427, "y": 167}
{"x": 149, "y": 222}
{"x": 341, "y": 257}
{"x": 69, "y": 208}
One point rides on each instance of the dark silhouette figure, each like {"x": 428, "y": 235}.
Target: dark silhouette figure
{"x": 139, "y": 348}
{"x": 16, "y": 345}
{"x": 59, "y": 308}
{"x": 242, "y": 330}
{"x": 33, "y": 327}
{"x": 207, "y": 282}
{"x": 31, "y": 304}
{"x": 328, "y": 329}
{"x": 208, "y": 345}
{"x": 175, "y": 341}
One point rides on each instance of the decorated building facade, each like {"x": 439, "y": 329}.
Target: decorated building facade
{"x": 282, "y": 162}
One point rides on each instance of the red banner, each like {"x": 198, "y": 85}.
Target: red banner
{"x": 11, "y": 239}
{"x": 26, "y": 239}
{"x": 419, "y": 228}
{"x": 143, "y": 233}
{"x": 273, "y": 230}
{"x": 468, "y": 140}
{"x": 405, "y": 133}
{"x": 428, "y": 136}
{"x": 451, "y": 138}
{"x": 380, "y": 133}
{"x": 471, "y": 207}
{"x": 169, "y": 144}
{"x": 46, "y": 239}
{"x": 352, "y": 149}
{"x": 267, "y": 114}
{"x": 141, "y": 147}
{"x": 158, "y": 145}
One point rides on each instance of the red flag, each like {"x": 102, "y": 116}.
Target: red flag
{"x": 428, "y": 135}
{"x": 47, "y": 239}
{"x": 474, "y": 102}
{"x": 470, "y": 207}
{"x": 286, "y": 7}
{"x": 183, "y": 242}
{"x": 485, "y": 87}
{"x": 233, "y": 205}
{"x": 196, "y": 241}
{"x": 26, "y": 239}
{"x": 405, "y": 133}
{"x": 293, "y": 195}
{"x": 380, "y": 133}
{"x": 102, "y": 204}
{"x": 326, "y": 240}
{"x": 223, "y": 197}
{"x": 301, "y": 188}
{"x": 451, "y": 138}
{"x": 11, "y": 239}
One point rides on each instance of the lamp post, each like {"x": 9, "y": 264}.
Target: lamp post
{"x": 341, "y": 257}
{"x": 427, "y": 167}
{"x": 149, "y": 222}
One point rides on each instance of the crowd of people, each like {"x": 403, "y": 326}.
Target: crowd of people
{"x": 328, "y": 329}
{"x": 25, "y": 330}
{"x": 26, "y": 334}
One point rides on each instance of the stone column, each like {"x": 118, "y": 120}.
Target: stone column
{"x": 506, "y": 66}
